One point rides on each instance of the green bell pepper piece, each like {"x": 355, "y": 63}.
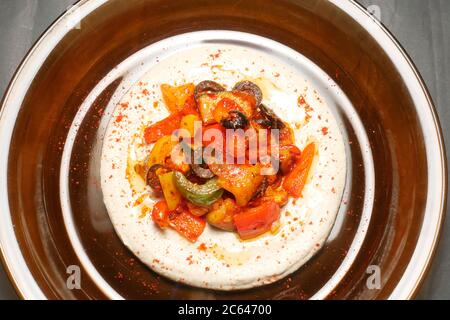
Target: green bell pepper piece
{"x": 199, "y": 194}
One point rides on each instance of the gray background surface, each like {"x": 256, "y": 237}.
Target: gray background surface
{"x": 421, "y": 26}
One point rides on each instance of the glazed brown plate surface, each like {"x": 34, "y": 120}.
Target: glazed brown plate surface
{"x": 393, "y": 213}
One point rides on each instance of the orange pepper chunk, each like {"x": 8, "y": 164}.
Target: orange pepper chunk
{"x": 296, "y": 179}
{"x": 168, "y": 125}
{"x": 175, "y": 97}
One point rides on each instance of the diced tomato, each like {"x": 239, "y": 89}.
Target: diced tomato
{"x": 214, "y": 107}
{"x": 162, "y": 128}
{"x": 223, "y": 107}
{"x": 160, "y": 214}
{"x": 238, "y": 146}
{"x": 296, "y": 179}
{"x": 228, "y": 105}
{"x": 248, "y": 98}
{"x": 206, "y": 141}
{"x": 256, "y": 221}
{"x": 188, "y": 225}
{"x": 209, "y": 139}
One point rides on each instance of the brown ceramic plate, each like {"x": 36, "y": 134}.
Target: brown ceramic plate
{"x": 53, "y": 117}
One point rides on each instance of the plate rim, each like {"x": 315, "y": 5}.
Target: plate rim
{"x": 20, "y": 275}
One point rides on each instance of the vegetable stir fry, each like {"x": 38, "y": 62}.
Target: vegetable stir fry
{"x": 222, "y": 158}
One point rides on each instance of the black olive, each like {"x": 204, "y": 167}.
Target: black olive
{"x": 235, "y": 120}
{"x": 207, "y": 86}
{"x": 251, "y": 88}
{"x": 152, "y": 178}
{"x": 270, "y": 119}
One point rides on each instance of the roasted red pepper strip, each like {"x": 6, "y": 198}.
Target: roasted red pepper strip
{"x": 168, "y": 125}
{"x": 160, "y": 214}
{"x": 180, "y": 219}
{"x": 256, "y": 221}
{"x": 296, "y": 179}
{"x": 188, "y": 225}
{"x": 162, "y": 128}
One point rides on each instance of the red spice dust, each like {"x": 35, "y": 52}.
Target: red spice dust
{"x": 119, "y": 117}
{"x": 216, "y": 55}
{"x": 119, "y": 275}
{"x": 301, "y": 102}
